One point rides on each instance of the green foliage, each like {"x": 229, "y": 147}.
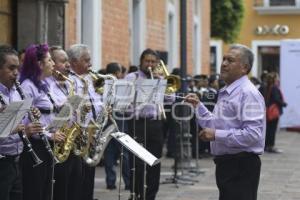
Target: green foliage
{"x": 226, "y": 18}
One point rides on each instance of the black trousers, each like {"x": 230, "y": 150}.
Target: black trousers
{"x": 10, "y": 179}
{"x": 68, "y": 179}
{"x": 88, "y": 182}
{"x": 271, "y": 132}
{"x": 37, "y": 180}
{"x": 237, "y": 176}
{"x": 154, "y": 144}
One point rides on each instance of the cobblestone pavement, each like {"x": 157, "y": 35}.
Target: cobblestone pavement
{"x": 280, "y": 177}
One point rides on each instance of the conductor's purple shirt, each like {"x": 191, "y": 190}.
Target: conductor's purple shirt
{"x": 11, "y": 145}
{"x": 238, "y": 118}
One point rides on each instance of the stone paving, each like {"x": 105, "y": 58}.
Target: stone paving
{"x": 280, "y": 177}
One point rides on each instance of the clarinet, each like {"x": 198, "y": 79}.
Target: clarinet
{"x": 36, "y": 160}
{"x": 44, "y": 139}
{"x": 41, "y": 135}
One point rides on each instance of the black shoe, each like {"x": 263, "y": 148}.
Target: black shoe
{"x": 111, "y": 187}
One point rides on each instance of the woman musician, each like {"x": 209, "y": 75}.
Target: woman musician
{"x": 37, "y": 182}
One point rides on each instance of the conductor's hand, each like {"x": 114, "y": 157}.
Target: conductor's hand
{"x": 58, "y": 136}
{"x": 192, "y": 99}
{"x": 207, "y": 134}
{"x": 33, "y": 128}
{"x": 19, "y": 128}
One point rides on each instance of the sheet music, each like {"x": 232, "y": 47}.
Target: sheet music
{"x": 150, "y": 91}
{"x": 135, "y": 148}
{"x": 12, "y": 115}
{"x": 123, "y": 94}
{"x": 66, "y": 112}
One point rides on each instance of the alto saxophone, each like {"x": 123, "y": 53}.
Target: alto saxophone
{"x": 81, "y": 143}
{"x": 99, "y": 138}
{"x": 62, "y": 150}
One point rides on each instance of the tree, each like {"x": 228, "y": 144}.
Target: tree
{"x": 226, "y": 18}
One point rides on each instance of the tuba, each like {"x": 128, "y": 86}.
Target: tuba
{"x": 173, "y": 81}
{"x": 99, "y": 137}
{"x": 62, "y": 150}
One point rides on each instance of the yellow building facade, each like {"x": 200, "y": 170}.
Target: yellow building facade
{"x": 265, "y": 24}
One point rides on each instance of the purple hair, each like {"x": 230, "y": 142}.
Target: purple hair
{"x": 31, "y": 68}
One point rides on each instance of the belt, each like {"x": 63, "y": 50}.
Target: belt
{"x": 45, "y": 111}
{"x": 243, "y": 154}
{"x": 14, "y": 158}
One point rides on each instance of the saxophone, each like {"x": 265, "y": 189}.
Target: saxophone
{"x": 99, "y": 138}
{"x": 81, "y": 143}
{"x": 62, "y": 150}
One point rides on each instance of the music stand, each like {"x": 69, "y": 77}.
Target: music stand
{"x": 124, "y": 93}
{"x": 12, "y": 115}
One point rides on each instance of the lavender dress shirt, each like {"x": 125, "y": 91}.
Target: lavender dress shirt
{"x": 11, "y": 145}
{"x": 91, "y": 96}
{"x": 40, "y": 100}
{"x": 238, "y": 118}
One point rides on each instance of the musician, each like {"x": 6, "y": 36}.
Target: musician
{"x": 68, "y": 175}
{"x": 113, "y": 150}
{"x": 36, "y": 67}
{"x": 80, "y": 60}
{"x": 147, "y": 118}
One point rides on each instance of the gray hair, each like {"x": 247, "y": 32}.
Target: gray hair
{"x": 247, "y": 55}
{"x": 76, "y": 51}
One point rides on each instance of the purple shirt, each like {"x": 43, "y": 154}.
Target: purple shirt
{"x": 238, "y": 118}
{"x": 11, "y": 145}
{"x": 147, "y": 110}
{"x": 40, "y": 100}
{"x": 90, "y": 97}
{"x": 59, "y": 91}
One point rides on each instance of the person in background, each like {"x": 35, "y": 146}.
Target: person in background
{"x": 272, "y": 94}
{"x": 235, "y": 128}
{"x": 114, "y": 148}
{"x": 201, "y": 82}
{"x": 132, "y": 68}
{"x": 123, "y": 72}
